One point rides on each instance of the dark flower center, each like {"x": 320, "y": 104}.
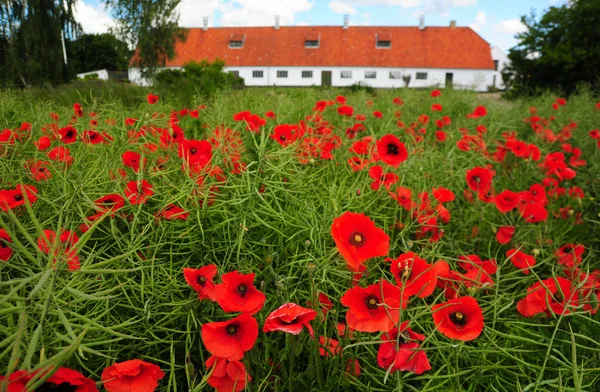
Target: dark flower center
{"x": 477, "y": 179}
{"x": 371, "y": 302}
{"x": 392, "y": 149}
{"x": 382, "y": 178}
{"x": 458, "y": 318}
{"x": 232, "y": 329}
{"x": 69, "y": 134}
{"x": 2, "y": 244}
{"x": 242, "y": 290}
{"x": 201, "y": 280}
{"x": 51, "y": 387}
{"x": 18, "y": 197}
{"x": 42, "y": 169}
{"x": 193, "y": 150}
{"x": 567, "y": 249}
{"x": 559, "y": 297}
{"x": 282, "y": 137}
{"x": 357, "y": 239}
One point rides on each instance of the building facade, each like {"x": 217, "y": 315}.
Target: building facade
{"x": 380, "y": 57}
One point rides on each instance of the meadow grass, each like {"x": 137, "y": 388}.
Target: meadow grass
{"x": 129, "y": 299}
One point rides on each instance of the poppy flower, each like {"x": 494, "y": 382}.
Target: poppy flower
{"x": 201, "y": 280}
{"x": 64, "y": 379}
{"x": 506, "y": 200}
{"x": 480, "y": 111}
{"x": 379, "y": 178}
{"x": 67, "y": 135}
{"x": 391, "y": 150}
{"x": 401, "y": 350}
{"x": 290, "y": 318}
{"x": 377, "y": 114}
{"x": 404, "y": 197}
{"x": 345, "y": 110}
{"x": 5, "y": 250}
{"x": 13, "y": 198}
{"x": 39, "y": 170}
{"x": 436, "y": 107}
{"x": 43, "y": 143}
{"x": 479, "y": 179}
{"x": 505, "y": 234}
{"x": 474, "y": 262}
{"x": 238, "y": 294}
{"x": 416, "y": 276}
{"x": 436, "y": 93}
{"x": 130, "y": 122}
{"x": 133, "y": 160}
{"x": 195, "y": 152}
{"x": 286, "y": 134}
{"x": 369, "y": 310}
{"x": 60, "y": 154}
{"x": 110, "y": 203}
{"x": 459, "y": 318}
{"x": 534, "y": 212}
{"x": 358, "y": 239}
{"x": 329, "y": 346}
{"x": 132, "y": 376}
{"x": 138, "y": 192}
{"x": 152, "y": 99}
{"x": 92, "y": 137}
{"x": 227, "y": 376}
{"x": 230, "y": 339}
{"x": 570, "y": 255}
{"x": 552, "y": 295}
{"x": 172, "y": 212}
{"x": 521, "y": 260}
{"x": 443, "y": 195}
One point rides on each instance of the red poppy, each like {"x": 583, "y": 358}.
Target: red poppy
{"x": 459, "y": 318}
{"x": 325, "y": 303}
{"x": 443, "y": 195}
{"x": 479, "y": 179}
{"x": 404, "y": 197}
{"x": 92, "y": 137}
{"x": 358, "y": 239}
{"x": 480, "y": 111}
{"x": 474, "y": 262}
{"x": 415, "y": 275}
{"x": 290, "y": 318}
{"x": 387, "y": 179}
{"x": 130, "y": 122}
{"x": 534, "y": 212}
{"x": 132, "y": 376}
{"x": 172, "y": 212}
{"x": 230, "y": 339}
{"x": 370, "y": 311}
{"x": 110, "y": 203}
{"x": 377, "y": 114}
{"x": 132, "y": 159}
{"x": 152, "y": 99}
{"x": 63, "y": 379}
{"x": 345, "y": 110}
{"x": 436, "y": 93}
{"x": 238, "y": 294}
{"x": 436, "y": 107}
{"x": 60, "y": 154}
{"x": 5, "y": 250}
{"x": 227, "y": 376}
{"x": 402, "y": 351}
{"x": 201, "y": 280}
{"x": 43, "y": 143}
{"x": 570, "y": 255}
{"x": 521, "y": 260}
{"x": 138, "y": 192}
{"x": 67, "y": 135}
{"x": 329, "y": 346}
{"x": 13, "y": 198}
{"x": 505, "y": 234}
{"x": 195, "y": 152}
{"x": 77, "y": 109}
{"x": 391, "y": 150}
{"x": 507, "y": 200}
{"x": 286, "y": 134}
{"x": 557, "y": 293}
{"x": 39, "y": 170}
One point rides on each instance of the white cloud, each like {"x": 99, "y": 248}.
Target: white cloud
{"x": 341, "y": 8}
{"x": 261, "y": 12}
{"x": 510, "y": 26}
{"x": 390, "y": 3}
{"x": 93, "y": 20}
{"x": 192, "y": 12}
{"x": 480, "y": 20}
{"x": 302, "y": 23}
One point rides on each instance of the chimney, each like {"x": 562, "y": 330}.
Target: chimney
{"x": 205, "y": 23}
{"x": 421, "y": 22}
{"x": 452, "y": 24}
{"x": 276, "y": 22}
{"x": 346, "y": 21}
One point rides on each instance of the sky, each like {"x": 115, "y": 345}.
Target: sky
{"x": 497, "y": 21}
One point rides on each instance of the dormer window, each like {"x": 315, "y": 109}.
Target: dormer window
{"x": 311, "y": 40}
{"x": 236, "y": 40}
{"x": 384, "y": 40}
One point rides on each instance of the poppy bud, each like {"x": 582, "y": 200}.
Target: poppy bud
{"x": 536, "y": 252}
{"x": 358, "y": 192}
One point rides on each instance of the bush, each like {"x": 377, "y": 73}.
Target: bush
{"x": 194, "y": 79}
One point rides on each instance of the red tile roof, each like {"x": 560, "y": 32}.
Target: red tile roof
{"x": 433, "y": 47}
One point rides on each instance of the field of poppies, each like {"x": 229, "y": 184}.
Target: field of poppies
{"x": 300, "y": 240}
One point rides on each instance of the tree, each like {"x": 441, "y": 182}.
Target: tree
{"x": 558, "y": 52}
{"x": 31, "y": 40}
{"x": 92, "y": 52}
{"x": 151, "y": 27}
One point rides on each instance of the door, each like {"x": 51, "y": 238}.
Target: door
{"x": 325, "y": 78}
{"x": 449, "y": 76}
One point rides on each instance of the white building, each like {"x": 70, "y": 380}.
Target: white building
{"x": 500, "y": 62}
{"x": 380, "y": 57}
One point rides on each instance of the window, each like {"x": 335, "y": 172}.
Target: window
{"x": 237, "y": 40}
{"x": 384, "y": 44}
{"x": 346, "y": 74}
{"x": 384, "y": 40}
{"x": 257, "y": 74}
{"x": 370, "y": 75}
{"x": 236, "y": 44}
{"x": 282, "y": 74}
{"x": 311, "y": 44}
{"x": 236, "y": 73}
{"x": 496, "y": 65}
{"x": 421, "y": 75}
{"x": 307, "y": 74}
{"x": 395, "y": 75}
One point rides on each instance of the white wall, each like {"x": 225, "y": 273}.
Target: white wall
{"x": 499, "y": 55}
{"x": 478, "y": 80}
{"x": 102, "y": 74}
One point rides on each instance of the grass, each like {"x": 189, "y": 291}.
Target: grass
{"x": 129, "y": 299}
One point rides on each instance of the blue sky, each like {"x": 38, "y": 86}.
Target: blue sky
{"x": 496, "y": 21}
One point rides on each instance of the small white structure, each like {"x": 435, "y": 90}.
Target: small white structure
{"x": 501, "y": 61}
{"x": 102, "y": 74}
{"x": 380, "y": 57}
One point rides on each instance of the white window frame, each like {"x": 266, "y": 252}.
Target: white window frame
{"x": 281, "y": 73}
{"x": 396, "y": 75}
{"x": 345, "y": 74}
{"x": 235, "y": 72}
{"x": 421, "y": 76}
{"x": 255, "y": 74}
{"x": 307, "y": 74}
{"x": 373, "y": 73}
{"x": 236, "y": 47}
{"x": 306, "y": 45}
